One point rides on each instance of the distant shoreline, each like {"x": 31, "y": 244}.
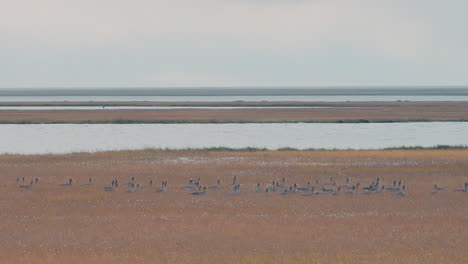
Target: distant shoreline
{"x": 335, "y": 112}
{"x": 253, "y": 149}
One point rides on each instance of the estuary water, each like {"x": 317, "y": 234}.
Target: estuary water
{"x": 67, "y": 138}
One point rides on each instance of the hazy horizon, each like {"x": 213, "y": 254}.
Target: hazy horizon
{"x": 208, "y": 43}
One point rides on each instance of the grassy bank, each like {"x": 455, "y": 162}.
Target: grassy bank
{"x": 81, "y": 223}
{"x": 126, "y": 121}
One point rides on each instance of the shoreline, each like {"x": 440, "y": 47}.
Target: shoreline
{"x": 401, "y": 103}
{"x": 28, "y": 122}
{"x": 338, "y": 112}
{"x": 250, "y": 150}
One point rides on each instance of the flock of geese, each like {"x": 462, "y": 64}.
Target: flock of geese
{"x": 330, "y": 187}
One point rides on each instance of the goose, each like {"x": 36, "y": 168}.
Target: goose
{"x": 216, "y": 186}
{"x": 111, "y": 188}
{"x": 163, "y": 187}
{"x": 272, "y": 188}
{"x": 27, "y": 186}
{"x": 352, "y": 190}
{"x": 436, "y": 189}
{"x": 90, "y": 182}
{"x": 382, "y": 189}
{"x": 191, "y": 184}
{"x": 236, "y": 190}
{"x": 393, "y": 188}
{"x": 311, "y": 192}
{"x": 131, "y": 182}
{"x": 283, "y": 181}
{"x": 337, "y": 191}
{"x": 234, "y": 180}
{"x": 402, "y": 191}
{"x": 305, "y": 189}
{"x": 68, "y": 183}
{"x": 286, "y": 191}
{"x": 465, "y": 188}
{"x": 291, "y": 190}
{"x": 133, "y": 189}
{"x": 258, "y": 189}
{"x": 200, "y": 192}
{"x": 325, "y": 189}
{"x": 320, "y": 192}
{"x": 346, "y": 185}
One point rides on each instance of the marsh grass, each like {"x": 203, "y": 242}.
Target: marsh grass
{"x": 83, "y": 224}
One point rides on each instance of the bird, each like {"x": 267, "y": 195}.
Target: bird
{"x": 273, "y": 187}
{"x": 163, "y": 187}
{"x": 191, "y": 184}
{"x": 291, "y": 190}
{"x": 234, "y": 180}
{"x": 258, "y": 189}
{"x": 402, "y": 191}
{"x": 90, "y": 181}
{"x": 436, "y": 189}
{"x": 305, "y": 189}
{"x": 112, "y": 187}
{"x": 346, "y": 185}
{"x": 27, "y": 186}
{"x": 311, "y": 192}
{"x": 236, "y": 190}
{"x": 216, "y": 186}
{"x": 200, "y": 191}
{"x": 283, "y": 181}
{"x": 131, "y": 182}
{"x": 335, "y": 193}
{"x": 325, "y": 189}
{"x": 352, "y": 190}
{"x": 133, "y": 189}
{"x": 465, "y": 188}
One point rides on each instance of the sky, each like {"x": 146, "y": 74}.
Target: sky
{"x": 193, "y": 43}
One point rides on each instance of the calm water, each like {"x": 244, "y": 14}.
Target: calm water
{"x": 302, "y": 98}
{"x": 65, "y": 138}
{"x": 326, "y": 94}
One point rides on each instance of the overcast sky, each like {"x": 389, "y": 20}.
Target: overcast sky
{"x": 105, "y": 43}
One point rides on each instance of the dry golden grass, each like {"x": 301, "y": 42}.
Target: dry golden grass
{"x": 338, "y": 112}
{"x": 83, "y": 224}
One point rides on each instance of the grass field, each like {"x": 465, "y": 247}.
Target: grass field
{"x": 48, "y": 223}
{"x": 352, "y": 112}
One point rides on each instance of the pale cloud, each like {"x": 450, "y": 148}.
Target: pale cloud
{"x": 372, "y": 31}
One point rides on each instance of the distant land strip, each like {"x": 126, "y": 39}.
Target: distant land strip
{"x": 361, "y": 112}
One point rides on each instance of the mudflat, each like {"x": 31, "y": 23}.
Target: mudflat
{"x": 52, "y": 222}
{"x": 353, "y": 112}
